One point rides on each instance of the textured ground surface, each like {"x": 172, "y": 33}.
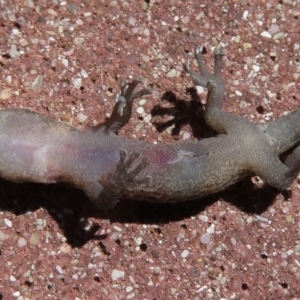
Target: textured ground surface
{"x": 66, "y": 60}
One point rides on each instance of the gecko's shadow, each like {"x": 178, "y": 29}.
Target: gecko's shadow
{"x": 183, "y": 112}
{"x": 70, "y": 208}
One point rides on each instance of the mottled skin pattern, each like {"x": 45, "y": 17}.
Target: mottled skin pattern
{"x": 108, "y": 167}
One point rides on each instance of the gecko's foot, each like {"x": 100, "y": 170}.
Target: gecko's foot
{"x": 219, "y": 51}
{"x": 204, "y": 76}
{"x": 127, "y": 90}
{"x": 122, "y": 177}
{"x": 123, "y": 107}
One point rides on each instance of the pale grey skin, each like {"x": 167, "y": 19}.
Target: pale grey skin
{"x": 107, "y": 167}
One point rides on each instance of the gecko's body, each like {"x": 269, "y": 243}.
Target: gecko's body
{"x": 38, "y": 149}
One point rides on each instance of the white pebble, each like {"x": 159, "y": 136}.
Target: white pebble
{"x": 7, "y": 222}
{"x": 211, "y": 228}
{"x": 77, "y": 82}
{"x": 266, "y": 34}
{"x": 200, "y": 89}
{"x": 59, "y": 269}
{"x": 185, "y": 253}
{"x": 255, "y": 68}
{"x": 205, "y": 238}
{"x": 140, "y": 110}
{"x": 81, "y": 117}
{"x": 84, "y": 73}
{"x": 116, "y": 274}
{"x": 22, "y": 242}
{"x": 171, "y": 73}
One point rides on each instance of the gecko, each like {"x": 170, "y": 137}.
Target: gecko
{"x": 107, "y": 167}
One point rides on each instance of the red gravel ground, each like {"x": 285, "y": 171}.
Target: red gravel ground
{"x": 66, "y": 60}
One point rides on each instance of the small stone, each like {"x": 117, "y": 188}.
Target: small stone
{"x": 148, "y": 118}
{"x": 278, "y": 36}
{"x": 140, "y": 110}
{"x": 16, "y": 294}
{"x": 185, "y": 20}
{"x": 3, "y": 236}
{"x": 116, "y": 274}
{"x": 59, "y": 269}
{"x": 255, "y": 68}
{"x": 13, "y": 52}
{"x": 205, "y": 238}
{"x": 211, "y": 228}
{"x": 171, "y": 73}
{"x": 237, "y": 39}
{"x": 77, "y": 82}
{"x": 131, "y": 20}
{"x": 200, "y": 89}
{"x": 22, "y": 242}
{"x": 78, "y": 41}
{"x": 34, "y": 238}
{"x": 238, "y": 93}
{"x": 203, "y": 218}
{"x": 243, "y": 104}
{"x": 37, "y": 82}
{"x": 72, "y": 8}
{"x": 84, "y": 73}
{"x": 23, "y": 42}
{"x": 5, "y": 94}
{"x": 186, "y": 136}
{"x": 30, "y": 3}
{"x": 81, "y": 117}
{"x": 7, "y": 222}
{"x": 146, "y": 32}
{"x": 266, "y": 34}
{"x": 128, "y": 289}
{"x": 65, "y": 62}
{"x": 185, "y": 253}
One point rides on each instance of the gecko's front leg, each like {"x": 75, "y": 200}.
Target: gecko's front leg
{"x": 123, "y": 176}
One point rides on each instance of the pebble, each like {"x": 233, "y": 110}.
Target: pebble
{"x": 72, "y": 8}
{"x": 200, "y": 89}
{"x": 13, "y": 52}
{"x": 81, "y": 117}
{"x": 116, "y": 274}
{"x": 77, "y": 82}
{"x": 37, "y": 82}
{"x": 3, "y": 236}
{"x": 59, "y": 269}
{"x": 211, "y": 228}
{"x": 5, "y": 94}
{"x": 34, "y": 238}
{"x": 8, "y": 223}
{"x": 266, "y": 34}
{"x": 22, "y": 242}
{"x": 278, "y": 36}
{"x": 78, "y": 41}
{"x": 140, "y": 110}
{"x": 205, "y": 238}
{"x": 171, "y": 73}
{"x": 186, "y": 136}
{"x": 185, "y": 253}
{"x": 84, "y": 73}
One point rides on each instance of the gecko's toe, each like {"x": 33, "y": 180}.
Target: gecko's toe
{"x": 198, "y": 51}
{"x": 211, "y": 85}
{"x": 219, "y": 51}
